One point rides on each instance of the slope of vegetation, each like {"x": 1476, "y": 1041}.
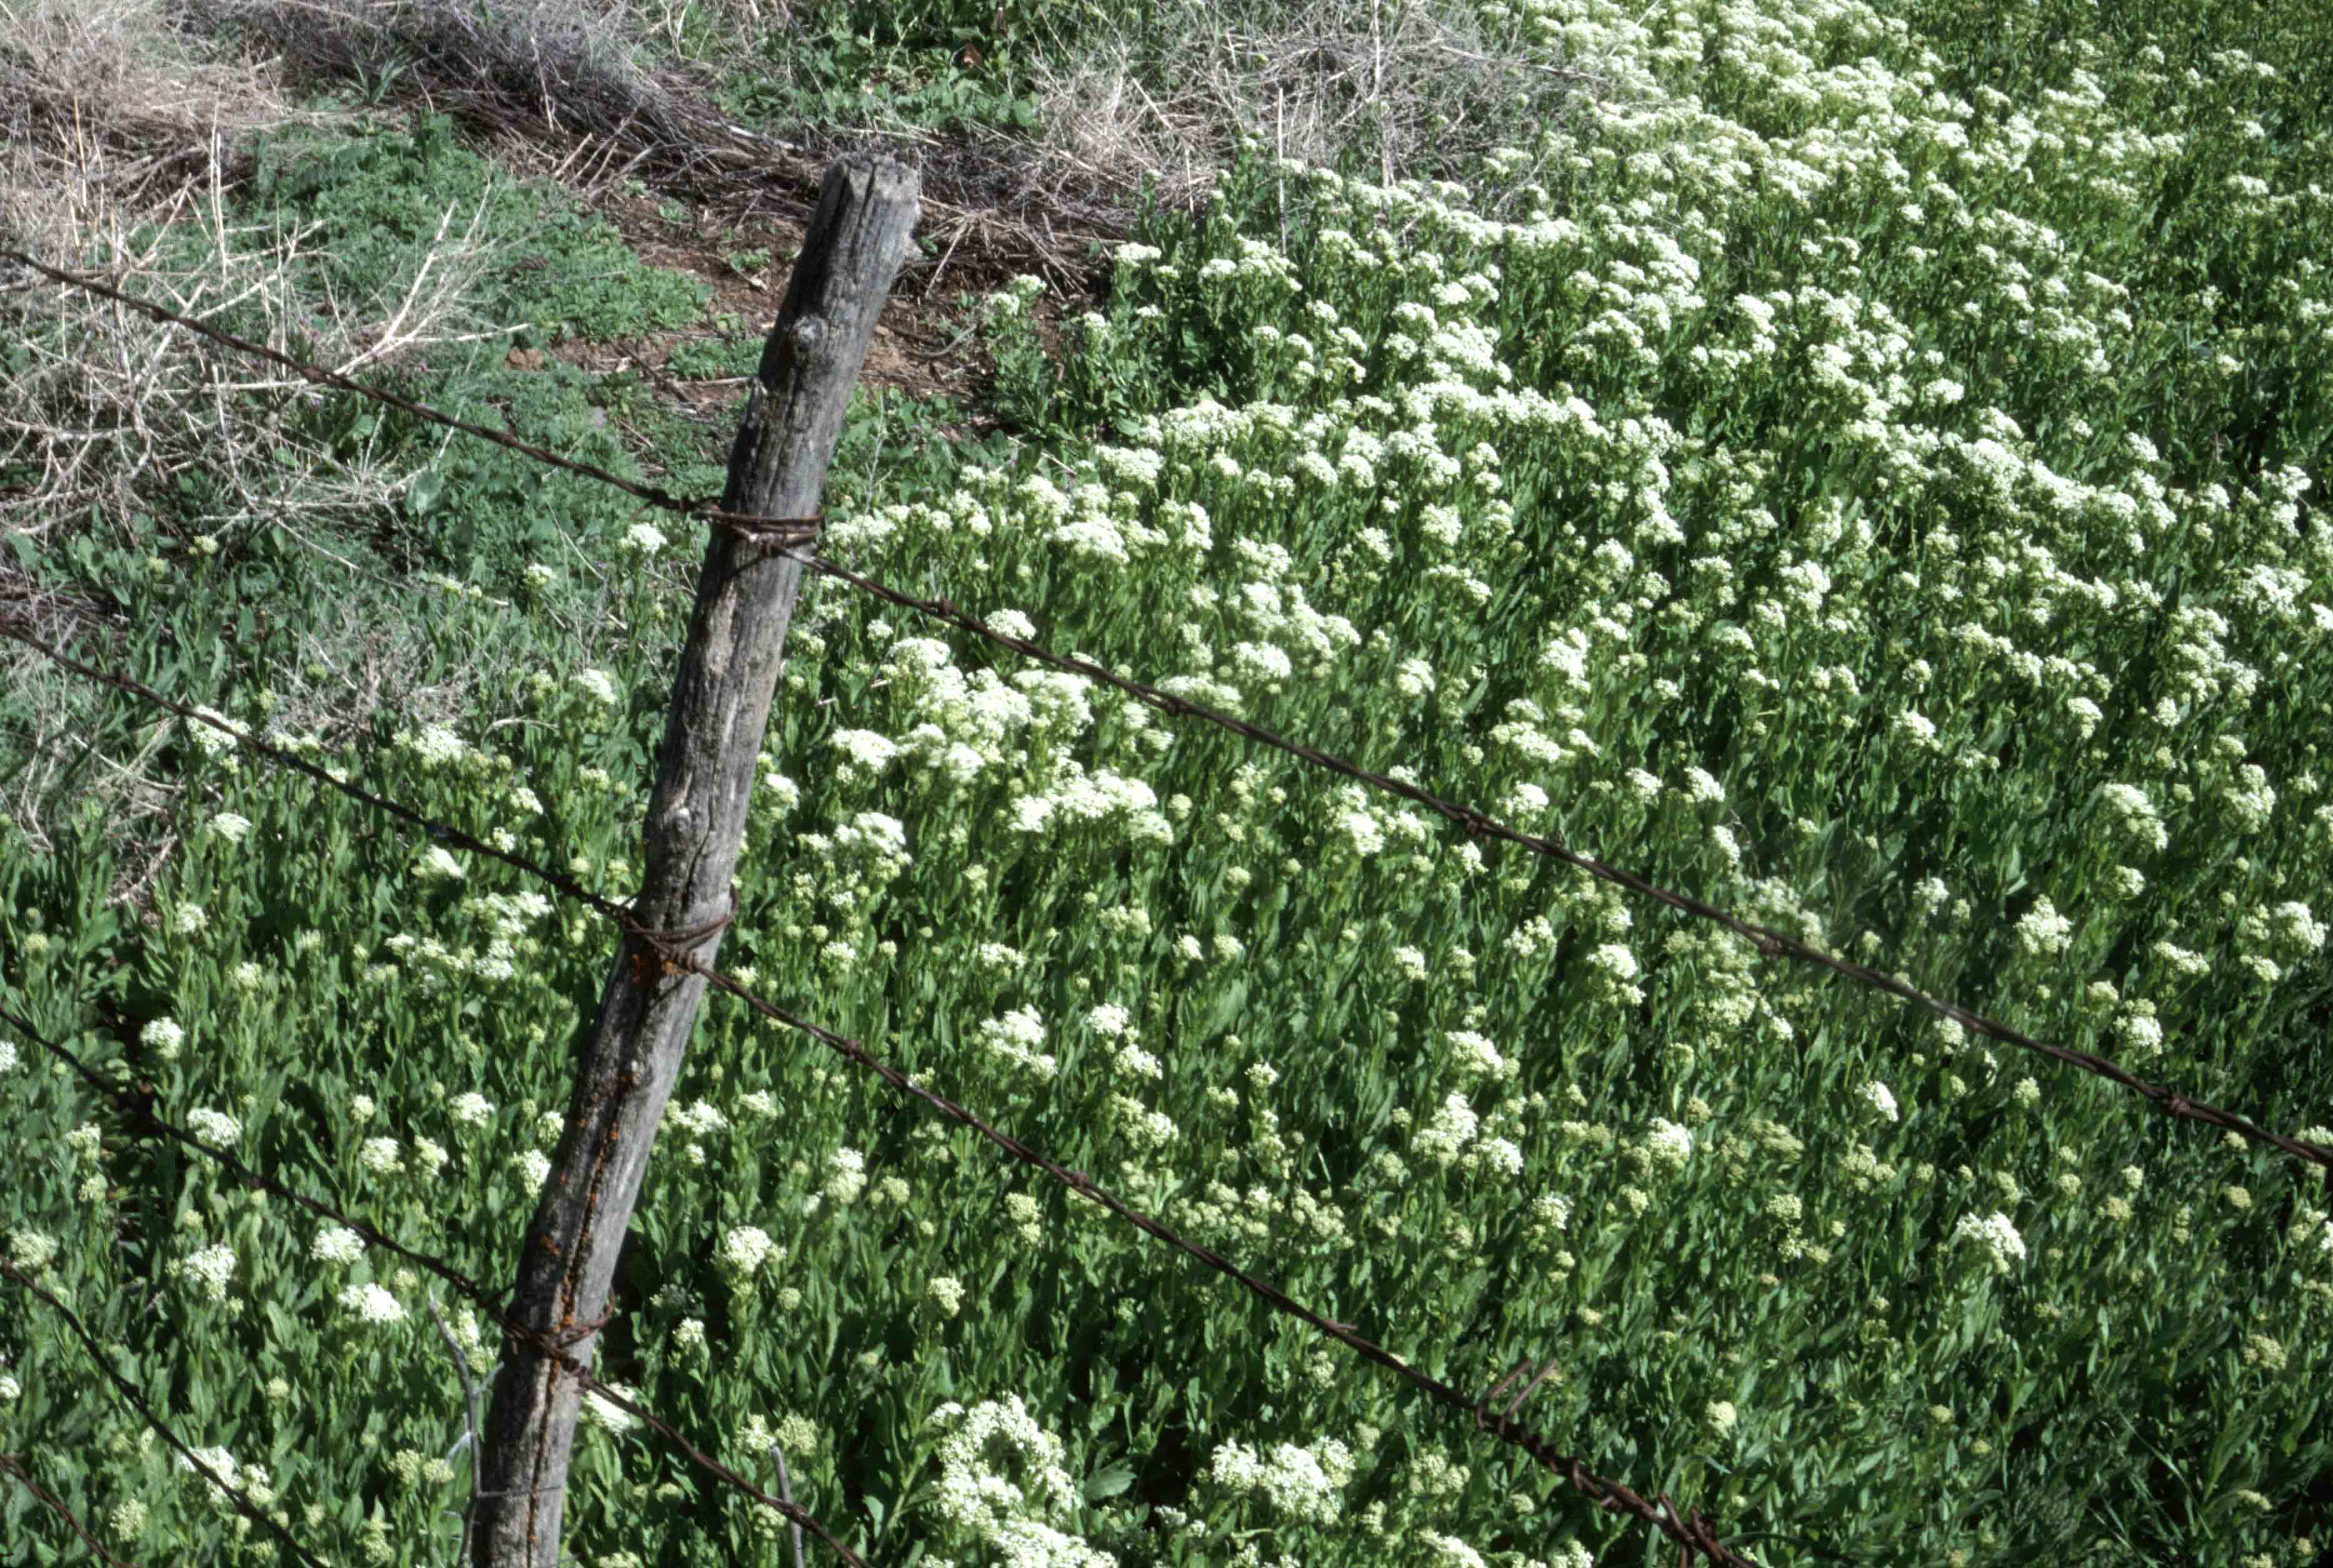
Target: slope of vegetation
{"x": 1859, "y": 464}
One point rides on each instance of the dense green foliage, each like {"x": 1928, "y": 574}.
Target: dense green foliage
{"x": 1866, "y": 481}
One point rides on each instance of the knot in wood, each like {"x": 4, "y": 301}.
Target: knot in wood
{"x": 807, "y": 337}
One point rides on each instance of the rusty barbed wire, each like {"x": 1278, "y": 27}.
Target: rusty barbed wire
{"x": 1691, "y": 1532}
{"x": 11, "y": 1465}
{"x": 1689, "y": 1529}
{"x": 762, "y": 530}
{"x": 137, "y": 1104}
{"x": 781, "y": 533}
{"x": 1481, "y": 824}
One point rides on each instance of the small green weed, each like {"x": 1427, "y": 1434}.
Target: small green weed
{"x": 374, "y": 205}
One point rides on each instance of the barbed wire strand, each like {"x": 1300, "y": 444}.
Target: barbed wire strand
{"x": 777, "y": 533}
{"x": 153, "y": 1419}
{"x": 137, "y": 1104}
{"x": 1690, "y": 1529}
{"x": 1480, "y": 825}
{"x": 707, "y": 507}
{"x": 11, "y": 1465}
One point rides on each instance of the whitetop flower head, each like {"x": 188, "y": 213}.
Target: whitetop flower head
{"x": 2042, "y": 931}
{"x": 1445, "y": 1137}
{"x": 698, "y": 1118}
{"x": 1016, "y": 1037}
{"x": 208, "y": 1271}
{"x": 435, "y": 746}
{"x": 1002, "y": 1480}
{"x": 597, "y": 685}
{"x": 603, "y": 1413}
{"x": 865, "y": 752}
{"x": 337, "y": 1245}
{"x": 1615, "y": 964}
{"x": 31, "y": 1250}
{"x": 1667, "y": 1145}
{"x": 1995, "y": 1236}
{"x": 846, "y": 1176}
{"x": 217, "y": 1466}
{"x": 208, "y": 736}
{"x": 372, "y": 1303}
{"x": 1876, "y": 1095}
{"x": 745, "y": 1249}
{"x": 1301, "y": 1483}
{"x": 163, "y": 1036}
{"x": 1476, "y": 1057}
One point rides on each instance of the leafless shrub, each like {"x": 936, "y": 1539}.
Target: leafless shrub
{"x": 565, "y": 88}
{"x": 568, "y": 77}
{"x": 1409, "y": 89}
{"x": 127, "y": 100}
{"x": 109, "y": 408}
{"x": 119, "y": 159}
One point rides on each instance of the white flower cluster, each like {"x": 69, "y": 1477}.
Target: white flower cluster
{"x": 372, "y": 1303}
{"x": 1001, "y": 1484}
{"x": 1301, "y": 1483}
{"x": 2042, "y": 931}
{"x": 1445, "y": 1138}
{"x": 1017, "y": 1037}
{"x": 336, "y": 1244}
{"x": 220, "y": 1472}
{"x": 208, "y": 1271}
{"x": 601, "y": 1412}
{"x": 743, "y": 1250}
{"x": 1667, "y": 1145}
{"x": 1995, "y": 1236}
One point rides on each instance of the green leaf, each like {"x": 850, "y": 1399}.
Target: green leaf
{"x": 1108, "y": 1483}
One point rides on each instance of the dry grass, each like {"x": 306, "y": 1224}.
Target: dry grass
{"x": 126, "y": 122}
{"x": 124, "y": 97}
{"x": 127, "y": 127}
{"x": 567, "y": 89}
{"x": 1407, "y": 89}
{"x": 109, "y": 406}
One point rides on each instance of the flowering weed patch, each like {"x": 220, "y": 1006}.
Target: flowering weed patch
{"x": 1838, "y": 487}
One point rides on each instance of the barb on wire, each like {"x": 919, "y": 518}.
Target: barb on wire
{"x": 1691, "y": 1530}
{"x": 10, "y": 1464}
{"x": 138, "y": 1104}
{"x": 1482, "y": 1406}
{"x": 146, "y": 1411}
{"x": 786, "y": 534}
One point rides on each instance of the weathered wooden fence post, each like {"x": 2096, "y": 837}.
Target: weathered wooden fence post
{"x": 721, "y": 696}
